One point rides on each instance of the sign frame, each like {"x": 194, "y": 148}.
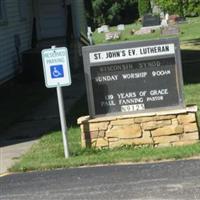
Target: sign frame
{"x": 62, "y": 81}
{"x": 125, "y": 45}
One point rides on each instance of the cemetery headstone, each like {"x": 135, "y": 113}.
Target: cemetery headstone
{"x": 103, "y": 29}
{"x": 162, "y": 15}
{"x": 89, "y": 35}
{"x": 112, "y": 36}
{"x": 172, "y": 19}
{"x": 170, "y": 30}
{"x": 181, "y": 20}
{"x": 164, "y": 23}
{"x": 99, "y": 30}
{"x": 120, "y": 27}
{"x": 151, "y": 20}
{"x": 143, "y": 30}
{"x": 166, "y": 16}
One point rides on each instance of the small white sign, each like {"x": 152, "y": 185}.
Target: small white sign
{"x": 56, "y": 67}
{"x": 130, "y": 53}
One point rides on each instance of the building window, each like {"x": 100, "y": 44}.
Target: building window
{"x": 23, "y": 9}
{"x": 2, "y": 11}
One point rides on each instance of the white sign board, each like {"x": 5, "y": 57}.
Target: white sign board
{"x": 56, "y": 67}
{"x": 130, "y": 53}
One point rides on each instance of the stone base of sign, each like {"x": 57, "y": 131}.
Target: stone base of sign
{"x": 158, "y": 129}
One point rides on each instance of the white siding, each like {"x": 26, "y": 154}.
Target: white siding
{"x": 14, "y": 25}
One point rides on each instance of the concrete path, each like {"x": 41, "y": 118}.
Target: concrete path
{"x": 18, "y": 139}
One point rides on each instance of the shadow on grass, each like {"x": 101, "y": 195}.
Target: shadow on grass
{"x": 193, "y": 42}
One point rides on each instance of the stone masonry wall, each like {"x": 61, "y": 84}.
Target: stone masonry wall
{"x": 170, "y": 128}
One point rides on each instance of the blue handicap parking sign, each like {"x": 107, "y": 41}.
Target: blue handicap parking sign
{"x": 57, "y": 71}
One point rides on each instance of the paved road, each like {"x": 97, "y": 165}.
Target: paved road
{"x": 169, "y": 180}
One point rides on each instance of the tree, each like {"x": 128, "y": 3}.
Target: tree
{"x": 113, "y": 12}
{"x": 144, "y": 6}
{"x": 171, "y": 6}
{"x": 180, "y": 7}
{"x": 191, "y": 7}
{"x": 89, "y": 13}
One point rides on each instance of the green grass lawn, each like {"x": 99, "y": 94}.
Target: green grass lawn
{"x": 49, "y": 154}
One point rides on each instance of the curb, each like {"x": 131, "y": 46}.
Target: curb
{"x": 5, "y": 174}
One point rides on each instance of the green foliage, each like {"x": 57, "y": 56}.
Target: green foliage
{"x": 144, "y": 7}
{"x": 170, "y": 6}
{"x": 180, "y": 7}
{"x": 89, "y": 13}
{"x": 113, "y": 12}
{"x": 192, "y": 8}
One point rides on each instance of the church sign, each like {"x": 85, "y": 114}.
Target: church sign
{"x": 133, "y": 77}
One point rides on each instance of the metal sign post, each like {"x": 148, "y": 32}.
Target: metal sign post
{"x": 62, "y": 120}
{"x": 57, "y": 74}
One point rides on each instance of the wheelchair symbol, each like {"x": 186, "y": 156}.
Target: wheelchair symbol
{"x": 57, "y": 71}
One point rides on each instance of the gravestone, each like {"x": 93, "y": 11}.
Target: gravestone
{"x": 112, "y": 36}
{"x": 164, "y": 23}
{"x": 150, "y": 20}
{"x": 172, "y": 19}
{"x": 181, "y": 20}
{"x": 143, "y": 31}
{"x": 133, "y": 77}
{"x": 170, "y": 30}
{"x": 89, "y": 35}
{"x": 103, "y": 29}
{"x": 120, "y": 27}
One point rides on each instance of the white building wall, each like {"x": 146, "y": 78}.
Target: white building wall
{"x": 14, "y": 25}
